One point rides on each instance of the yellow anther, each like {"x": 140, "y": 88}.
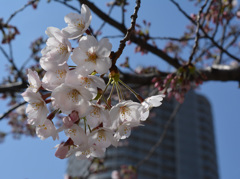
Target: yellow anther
{"x": 62, "y": 49}
{"x": 91, "y": 57}
{"x": 73, "y": 95}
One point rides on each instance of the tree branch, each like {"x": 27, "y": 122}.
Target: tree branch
{"x": 214, "y": 73}
{"x": 197, "y": 32}
{"x": 172, "y": 61}
{"x": 12, "y": 109}
{"x": 13, "y": 87}
{"x": 66, "y": 4}
{"x": 205, "y": 33}
{"x": 19, "y": 10}
{"x": 122, "y": 45}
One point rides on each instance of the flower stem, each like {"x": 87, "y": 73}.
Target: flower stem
{"x": 121, "y": 93}
{"x": 89, "y": 129}
{"x": 130, "y": 89}
{"x": 110, "y": 95}
{"x": 109, "y": 81}
{"x": 119, "y": 96}
{"x": 85, "y": 125}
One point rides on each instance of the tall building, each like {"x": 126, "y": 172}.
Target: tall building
{"x": 187, "y": 151}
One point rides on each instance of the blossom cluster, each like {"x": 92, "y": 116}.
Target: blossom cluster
{"x": 76, "y": 93}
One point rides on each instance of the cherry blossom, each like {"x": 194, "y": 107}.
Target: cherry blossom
{"x": 89, "y": 121}
{"x": 102, "y": 137}
{"x": 125, "y": 111}
{"x": 57, "y": 51}
{"x": 148, "y": 103}
{"x": 124, "y": 129}
{"x": 55, "y": 77}
{"x": 93, "y": 151}
{"x": 34, "y": 81}
{"x": 92, "y": 55}
{"x": 36, "y": 109}
{"x": 46, "y": 130}
{"x": 77, "y": 134}
{"x": 77, "y": 23}
{"x": 97, "y": 115}
{"x": 90, "y": 82}
{"x": 68, "y": 98}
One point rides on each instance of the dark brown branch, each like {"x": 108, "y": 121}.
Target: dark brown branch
{"x": 197, "y": 32}
{"x": 12, "y": 109}
{"x": 218, "y": 20}
{"x": 104, "y": 22}
{"x": 13, "y": 87}
{"x": 19, "y": 10}
{"x": 205, "y": 33}
{"x": 172, "y": 61}
{"x": 128, "y": 33}
{"x": 222, "y": 73}
{"x": 214, "y": 73}
{"x": 11, "y": 61}
{"x": 173, "y": 38}
{"x": 68, "y": 5}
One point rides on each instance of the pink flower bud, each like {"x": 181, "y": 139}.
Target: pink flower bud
{"x": 61, "y": 151}
{"x": 67, "y": 122}
{"x": 74, "y": 116}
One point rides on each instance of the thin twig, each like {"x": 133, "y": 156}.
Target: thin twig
{"x": 123, "y": 13}
{"x": 218, "y": 18}
{"x": 68, "y": 5}
{"x": 129, "y": 32}
{"x": 113, "y": 36}
{"x": 154, "y": 50}
{"x": 10, "y": 50}
{"x": 197, "y": 32}
{"x": 12, "y": 109}
{"x": 223, "y": 40}
{"x": 174, "y": 39}
{"x": 205, "y": 33}
{"x": 154, "y": 147}
{"x": 19, "y": 10}
{"x": 104, "y": 22}
{"x": 11, "y": 61}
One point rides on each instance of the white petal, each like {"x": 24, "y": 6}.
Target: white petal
{"x": 105, "y": 47}
{"x": 103, "y": 65}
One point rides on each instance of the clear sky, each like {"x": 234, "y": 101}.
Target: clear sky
{"x": 34, "y": 159}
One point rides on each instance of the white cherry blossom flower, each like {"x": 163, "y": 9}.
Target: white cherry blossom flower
{"x": 124, "y": 129}
{"x": 36, "y": 109}
{"x": 57, "y": 51}
{"x": 93, "y": 55}
{"x": 55, "y": 77}
{"x": 68, "y": 98}
{"x": 77, "y": 134}
{"x": 92, "y": 151}
{"x": 97, "y": 115}
{"x": 77, "y": 23}
{"x": 46, "y": 130}
{"x": 90, "y": 82}
{"x": 34, "y": 81}
{"x": 149, "y": 103}
{"x": 124, "y": 111}
{"x": 102, "y": 138}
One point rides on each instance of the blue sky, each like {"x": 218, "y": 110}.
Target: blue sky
{"x": 34, "y": 159}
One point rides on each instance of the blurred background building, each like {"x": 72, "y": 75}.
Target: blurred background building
{"x": 187, "y": 151}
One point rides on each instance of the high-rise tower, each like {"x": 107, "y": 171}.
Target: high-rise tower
{"x": 187, "y": 151}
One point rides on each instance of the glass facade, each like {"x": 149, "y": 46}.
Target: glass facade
{"x": 186, "y": 152}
